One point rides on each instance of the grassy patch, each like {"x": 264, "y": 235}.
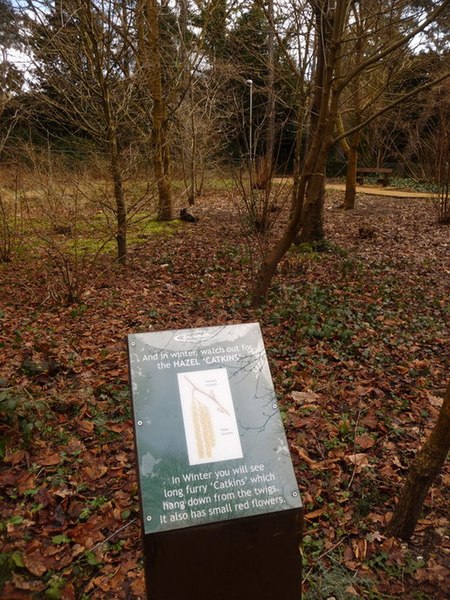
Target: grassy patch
{"x": 146, "y": 228}
{"x": 137, "y": 233}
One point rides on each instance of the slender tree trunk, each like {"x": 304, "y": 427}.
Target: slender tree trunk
{"x": 264, "y": 167}
{"x": 192, "y": 163}
{"x": 270, "y": 107}
{"x": 188, "y": 149}
{"x": 312, "y": 217}
{"x": 355, "y": 86}
{"x": 352, "y": 164}
{"x": 160, "y": 123}
{"x": 426, "y": 466}
{"x": 323, "y": 117}
{"x": 119, "y": 196}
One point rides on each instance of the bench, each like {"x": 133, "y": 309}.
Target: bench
{"x": 384, "y": 179}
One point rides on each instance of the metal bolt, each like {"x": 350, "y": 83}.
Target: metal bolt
{"x": 274, "y": 406}
{"x": 139, "y": 422}
{"x": 295, "y": 494}
{"x": 133, "y": 343}
{"x": 149, "y": 518}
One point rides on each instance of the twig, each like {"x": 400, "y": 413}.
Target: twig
{"x": 354, "y": 448}
{"x": 209, "y": 395}
{"x": 110, "y": 537}
{"x": 336, "y": 545}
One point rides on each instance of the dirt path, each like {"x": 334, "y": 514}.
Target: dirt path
{"x": 380, "y": 191}
{"x": 372, "y": 190}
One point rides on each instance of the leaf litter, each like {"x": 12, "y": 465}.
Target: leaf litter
{"x": 357, "y": 339}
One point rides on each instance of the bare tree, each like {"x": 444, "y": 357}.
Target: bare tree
{"x": 427, "y": 152}
{"x": 198, "y": 132}
{"x": 83, "y": 80}
{"x": 373, "y": 89}
{"x": 330, "y": 80}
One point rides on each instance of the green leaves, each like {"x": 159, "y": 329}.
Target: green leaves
{"x": 61, "y": 539}
{"x": 16, "y": 520}
{"x": 91, "y": 559}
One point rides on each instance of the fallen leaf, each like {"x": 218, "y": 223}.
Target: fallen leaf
{"x": 68, "y": 592}
{"x": 435, "y": 401}
{"x": 305, "y": 397}
{"x": 366, "y": 441}
{"x": 302, "y": 454}
{"x": 85, "y": 427}
{"x": 48, "y": 459}
{"x": 24, "y": 584}
{"x": 360, "y": 549}
{"x": 360, "y": 460}
{"x": 86, "y": 534}
{"x": 36, "y": 563}
{"x": 74, "y": 446}
{"x": 138, "y": 586}
{"x": 351, "y": 590}
{"x": 324, "y": 464}
{"x": 95, "y": 472}
{"x": 27, "y": 481}
{"x": 8, "y": 478}
{"x": 314, "y": 514}
{"x": 15, "y": 458}
{"x": 370, "y": 420}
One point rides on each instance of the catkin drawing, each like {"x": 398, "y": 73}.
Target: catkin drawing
{"x": 210, "y": 424}
{"x": 205, "y": 438}
{"x": 203, "y": 428}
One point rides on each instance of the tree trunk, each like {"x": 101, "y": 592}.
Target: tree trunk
{"x": 89, "y": 29}
{"x": 312, "y": 217}
{"x": 269, "y": 265}
{"x": 355, "y": 87}
{"x": 121, "y": 210}
{"x": 352, "y": 164}
{"x": 270, "y": 107}
{"x": 426, "y": 466}
{"x": 160, "y": 124}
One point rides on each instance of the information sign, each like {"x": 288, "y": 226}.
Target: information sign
{"x": 210, "y": 442}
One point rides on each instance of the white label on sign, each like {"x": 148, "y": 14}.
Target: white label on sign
{"x": 209, "y": 418}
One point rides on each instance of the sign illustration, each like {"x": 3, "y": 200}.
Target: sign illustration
{"x": 209, "y": 418}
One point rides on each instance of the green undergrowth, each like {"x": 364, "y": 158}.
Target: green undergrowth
{"x": 138, "y": 233}
{"x": 87, "y": 239}
{"x": 363, "y": 303}
{"x": 330, "y": 579}
{"x": 150, "y": 227}
{"x": 401, "y": 183}
{"x": 25, "y": 414}
{"x": 412, "y": 184}
{"x": 22, "y": 416}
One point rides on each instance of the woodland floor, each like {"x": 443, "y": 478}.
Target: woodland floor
{"x": 358, "y": 343}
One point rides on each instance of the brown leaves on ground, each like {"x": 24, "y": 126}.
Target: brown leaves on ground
{"x": 358, "y": 347}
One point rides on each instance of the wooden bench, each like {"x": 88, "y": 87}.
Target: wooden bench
{"x": 384, "y": 179}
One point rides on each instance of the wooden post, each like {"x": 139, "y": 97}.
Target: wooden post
{"x": 256, "y": 558}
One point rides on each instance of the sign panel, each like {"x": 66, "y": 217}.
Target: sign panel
{"x": 210, "y": 441}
